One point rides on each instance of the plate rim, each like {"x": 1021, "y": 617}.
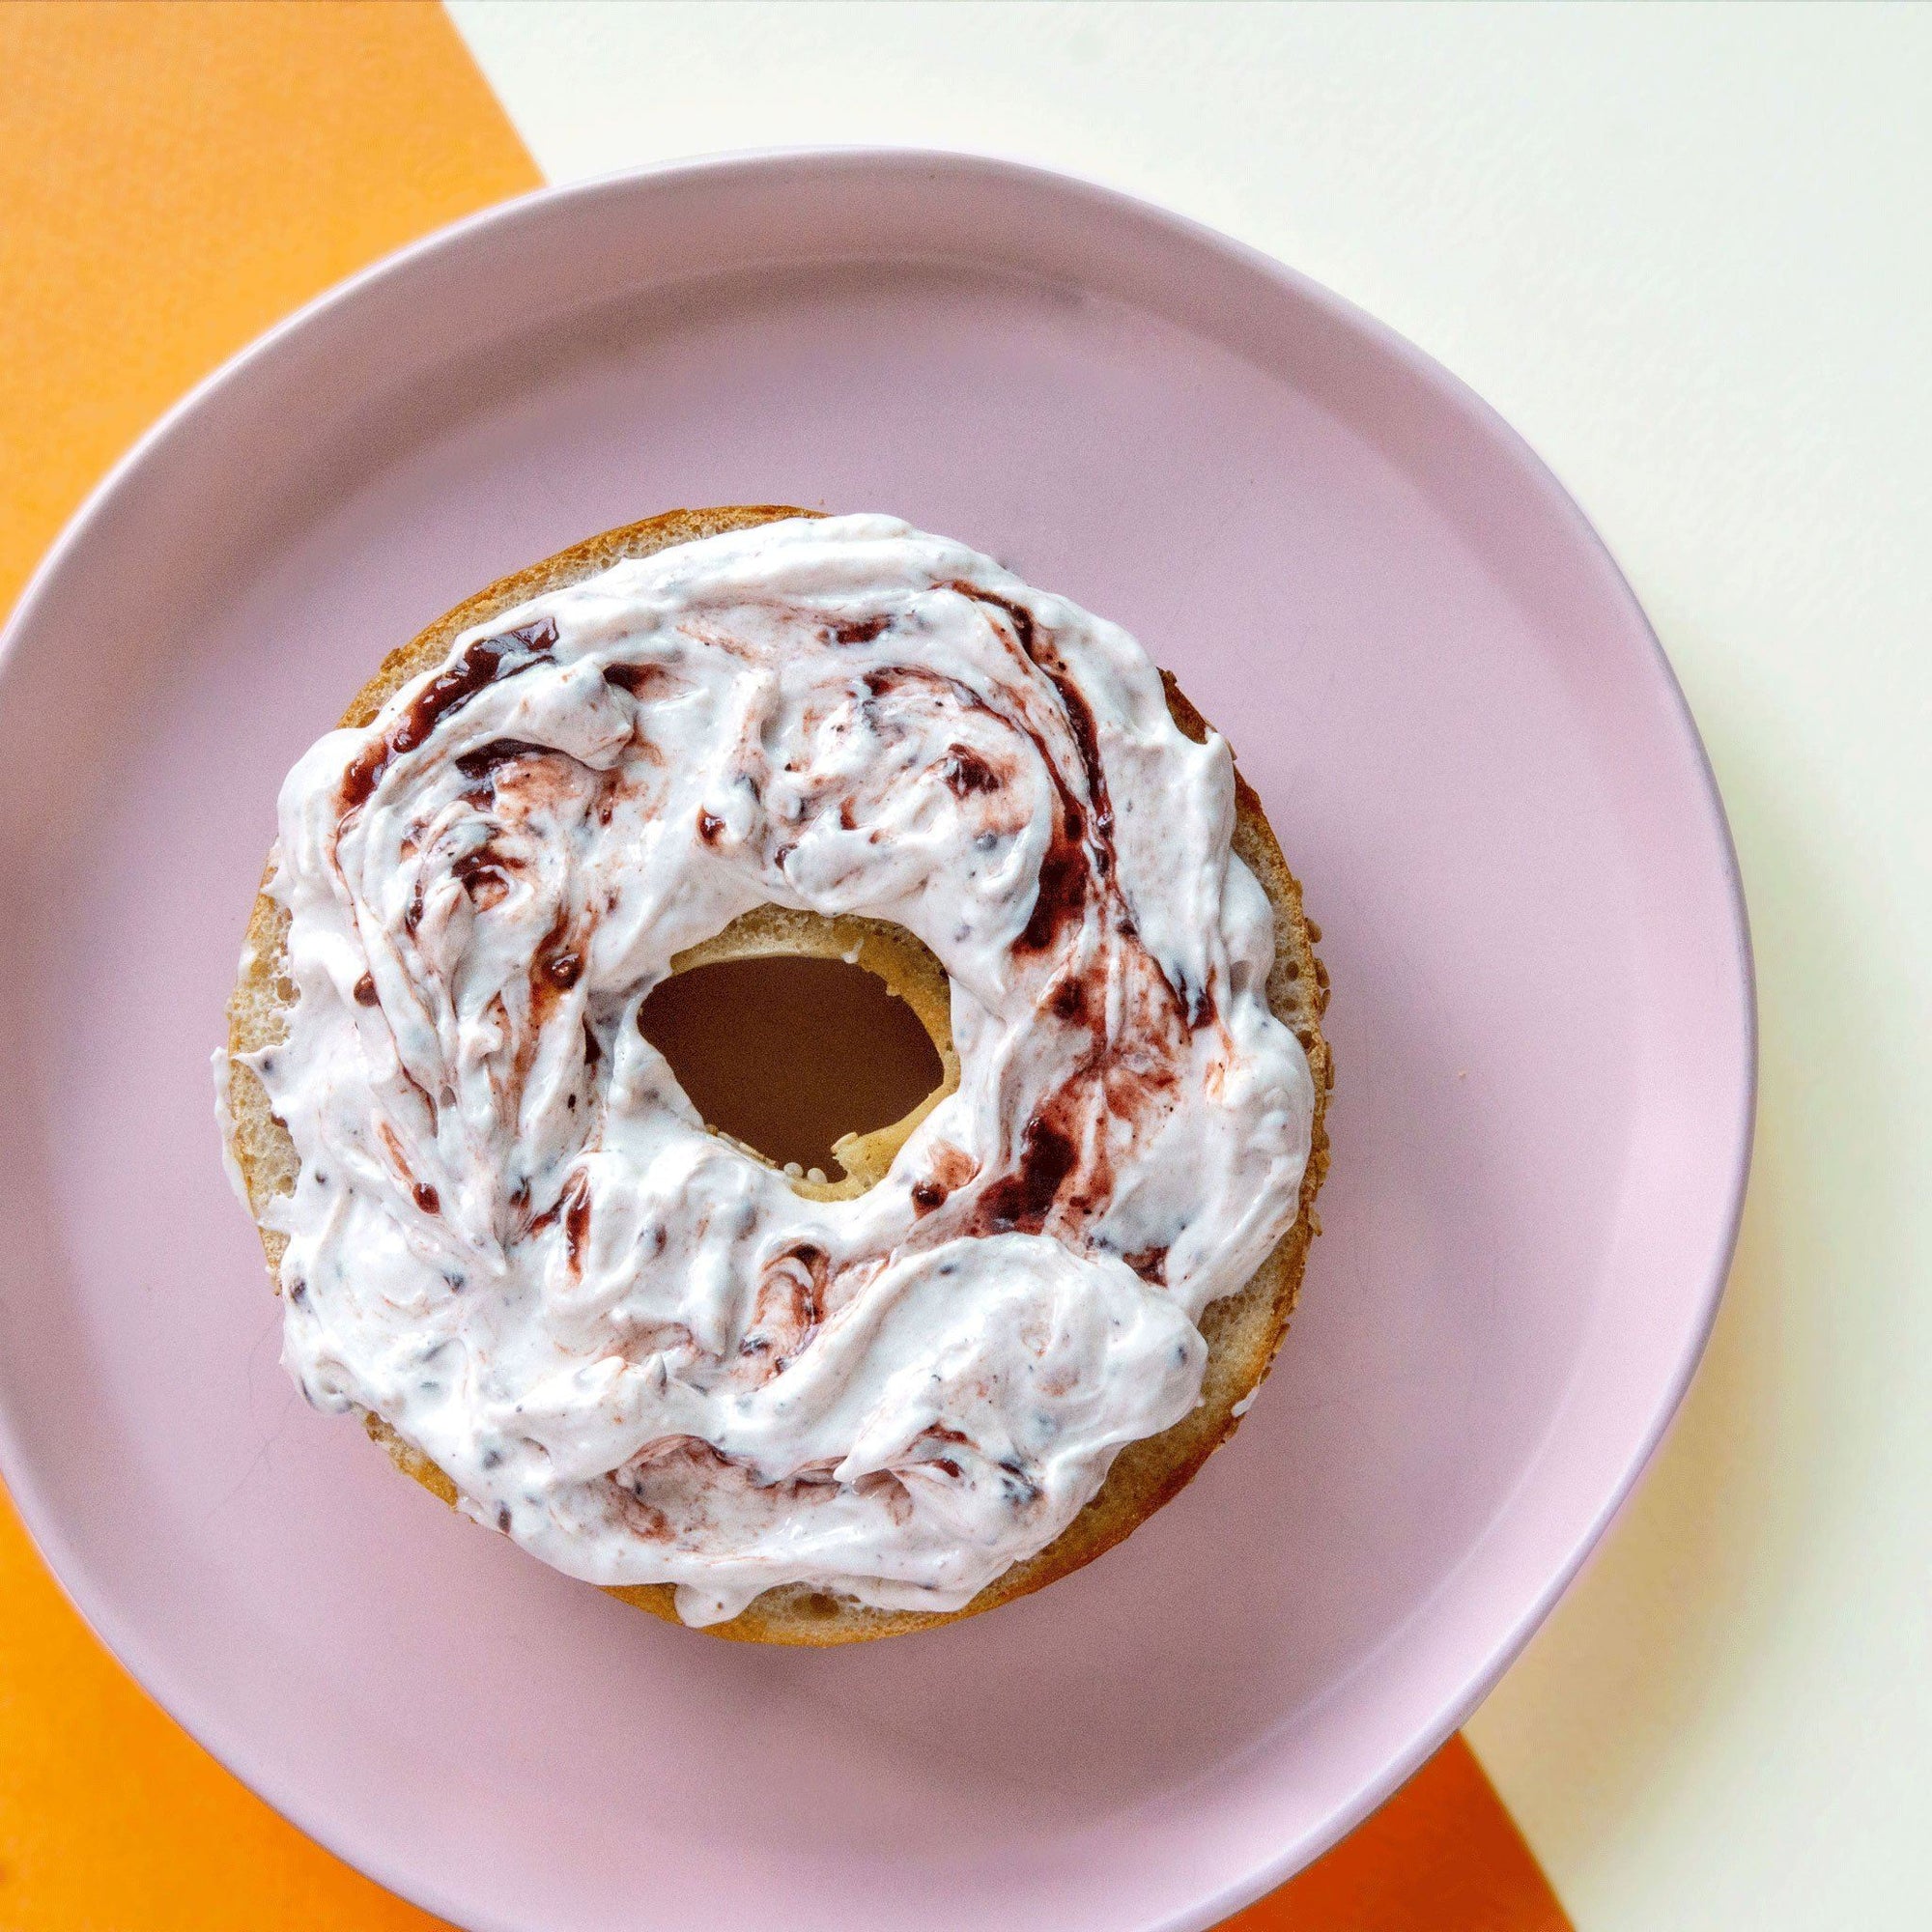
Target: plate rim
{"x": 1002, "y": 173}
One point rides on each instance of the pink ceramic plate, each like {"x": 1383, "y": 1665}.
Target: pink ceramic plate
{"x": 1476, "y": 759}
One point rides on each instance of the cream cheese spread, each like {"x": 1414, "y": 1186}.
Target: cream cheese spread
{"x": 636, "y": 1350}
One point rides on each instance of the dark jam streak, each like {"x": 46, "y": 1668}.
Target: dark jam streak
{"x": 480, "y": 664}
{"x": 473, "y": 868}
{"x": 1068, "y": 1001}
{"x": 1062, "y": 898}
{"x": 577, "y": 1224}
{"x": 963, "y": 772}
{"x": 1018, "y": 1202}
{"x": 634, "y": 678}
{"x": 1081, "y": 850}
{"x": 481, "y": 762}
{"x": 1079, "y": 715}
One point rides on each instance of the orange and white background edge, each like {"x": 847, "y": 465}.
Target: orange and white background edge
{"x": 1685, "y": 251}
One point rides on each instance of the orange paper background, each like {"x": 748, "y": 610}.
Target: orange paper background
{"x": 173, "y": 179}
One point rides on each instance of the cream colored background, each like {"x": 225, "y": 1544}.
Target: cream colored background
{"x": 1689, "y": 253}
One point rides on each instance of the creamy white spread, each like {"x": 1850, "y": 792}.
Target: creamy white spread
{"x": 636, "y": 1350}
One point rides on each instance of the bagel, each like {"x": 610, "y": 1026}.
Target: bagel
{"x": 1242, "y": 1330}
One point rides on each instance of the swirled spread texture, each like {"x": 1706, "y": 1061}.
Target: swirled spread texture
{"x": 635, "y": 1349}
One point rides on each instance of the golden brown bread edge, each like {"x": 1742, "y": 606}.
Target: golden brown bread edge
{"x": 1243, "y": 1330}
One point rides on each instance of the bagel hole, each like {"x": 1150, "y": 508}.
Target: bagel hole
{"x": 789, "y": 1054}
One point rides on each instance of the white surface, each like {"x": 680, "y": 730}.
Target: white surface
{"x": 1687, "y": 253}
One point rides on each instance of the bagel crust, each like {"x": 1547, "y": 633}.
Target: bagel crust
{"x": 1243, "y": 1330}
